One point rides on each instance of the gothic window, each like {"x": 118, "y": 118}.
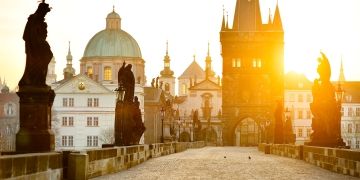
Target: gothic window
{"x": 350, "y": 112}
{"x": 107, "y": 73}
{"x": 89, "y": 71}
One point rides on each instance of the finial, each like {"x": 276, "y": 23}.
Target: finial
{"x": 208, "y": 53}
{"x": 113, "y": 8}
{"x": 167, "y": 47}
{"x": 227, "y": 20}
{"x": 223, "y": 10}
{"x": 194, "y": 56}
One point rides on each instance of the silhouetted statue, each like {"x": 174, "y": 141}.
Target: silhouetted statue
{"x": 323, "y": 68}
{"x": 126, "y": 78}
{"x": 121, "y": 74}
{"x": 138, "y": 79}
{"x": 161, "y": 84}
{"x": 279, "y": 126}
{"x": 139, "y": 125}
{"x": 153, "y": 82}
{"x": 38, "y": 52}
{"x": 157, "y": 82}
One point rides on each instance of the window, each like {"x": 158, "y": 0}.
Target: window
{"x": 342, "y": 111}
{"x": 357, "y": 144}
{"x": 89, "y": 121}
{"x": 107, "y": 73}
{"x": 89, "y": 103}
{"x": 254, "y": 63}
{"x": 64, "y": 121}
{"x": 65, "y": 102}
{"x": 64, "y": 141}
{"x": 90, "y": 71}
{"x": 357, "y": 112}
{"x": 349, "y": 128}
{"x": 349, "y": 142}
{"x": 92, "y": 141}
{"x": 10, "y": 111}
{"x": 96, "y": 102}
{"x": 308, "y": 132}
{"x": 300, "y": 114}
{"x": 89, "y": 141}
{"x": 259, "y": 63}
{"x": 236, "y": 62}
{"x": 71, "y": 102}
{"x": 183, "y": 88}
{"x": 350, "y": 112}
{"x": 96, "y": 121}
{"x": 71, "y": 141}
{"x": 308, "y": 98}
{"x": 300, "y": 98}
{"x": 357, "y": 128}
{"x": 308, "y": 114}
{"x": 233, "y": 62}
{"x": 300, "y": 132}
{"x": 71, "y": 121}
{"x": 95, "y": 141}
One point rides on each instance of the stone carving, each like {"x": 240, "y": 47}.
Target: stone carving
{"x": 153, "y": 82}
{"x": 157, "y": 82}
{"x": 38, "y": 52}
{"x": 161, "y": 84}
{"x": 128, "y": 120}
{"x": 325, "y": 109}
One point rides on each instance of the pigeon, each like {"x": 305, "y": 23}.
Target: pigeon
{"x": 249, "y": 157}
{"x": 225, "y": 157}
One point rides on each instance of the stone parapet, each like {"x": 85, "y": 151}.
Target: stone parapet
{"x": 32, "y": 166}
{"x": 343, "y": 161}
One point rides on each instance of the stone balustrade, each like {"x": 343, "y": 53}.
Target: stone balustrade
{"x": 32, "y": 166}
{"x": 342, "y": 161}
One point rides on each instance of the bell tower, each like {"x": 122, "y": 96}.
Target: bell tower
{"x": 167, "y": 75}
{"x": 253, "y": 60}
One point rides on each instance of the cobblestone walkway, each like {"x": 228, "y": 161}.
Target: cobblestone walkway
{"x": 225, "y": 163}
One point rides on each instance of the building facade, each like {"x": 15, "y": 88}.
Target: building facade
{"x": 253, "y": 58}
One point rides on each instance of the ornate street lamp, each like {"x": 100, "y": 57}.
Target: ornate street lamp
{"x": 162, "y": 113}
{"x": 179, "y": 123}
{"x": 120, "y": 93}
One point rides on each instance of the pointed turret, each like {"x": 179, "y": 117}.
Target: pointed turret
{"x": 167, "y": 72}
{"x": 269, "y": 20}
{"x": 277, "y": 23}
{"x": 208, "y": 70}
{"x": 247, "y": 16}
{"x": 223, "y": 21}
{"x": 69, "y": 71}
{"x": 341, "y": 75}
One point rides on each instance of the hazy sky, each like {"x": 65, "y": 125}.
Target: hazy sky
{"x": 332, "y": 26}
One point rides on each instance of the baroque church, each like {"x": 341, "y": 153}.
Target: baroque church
{"x": 83, "y": 109}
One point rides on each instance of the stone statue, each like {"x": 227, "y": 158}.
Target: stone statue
{"x": 157, "y": 82}
{"x": 38, "y": 52}
{"x": 161, "y": 84}
{"x": 153, "y": 82}
{"x": 323, "y": 68}
{"x": 139, "y": 125}
{"x": 138, "y": 80}
{"x": 126, "y": 78}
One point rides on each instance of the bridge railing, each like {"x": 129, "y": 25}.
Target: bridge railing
{"x": 343, "y": 161}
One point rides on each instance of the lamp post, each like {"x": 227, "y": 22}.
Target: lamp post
{"x": 288, "y": 126}
{"x": 267, "y": 124}
{"x": 179, "y": 123}
{"x": 339, "y": 95}
{"x": 162, "y": 112}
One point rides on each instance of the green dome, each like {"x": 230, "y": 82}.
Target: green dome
{"x": 112, "y": 43}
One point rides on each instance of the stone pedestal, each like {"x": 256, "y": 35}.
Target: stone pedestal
{"x": 35, "y": 134}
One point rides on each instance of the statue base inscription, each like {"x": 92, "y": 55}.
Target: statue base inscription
{"x": 35, "y": 134}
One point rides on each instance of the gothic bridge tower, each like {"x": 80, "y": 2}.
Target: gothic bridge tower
{"x": 253, "y": 60}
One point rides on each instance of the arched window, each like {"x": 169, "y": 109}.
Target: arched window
{"x": 183, "y": 88}
{"x": 107, "y": 73}
{"x": 89, "y": 71}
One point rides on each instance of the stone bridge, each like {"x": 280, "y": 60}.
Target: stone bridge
{"x": 225, "y": 163}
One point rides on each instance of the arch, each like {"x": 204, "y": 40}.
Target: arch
{"x": 246, "y": 132}
{"x": 185, "y": 137}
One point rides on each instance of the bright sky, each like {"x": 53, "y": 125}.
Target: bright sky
{"x": 332, "y": 26}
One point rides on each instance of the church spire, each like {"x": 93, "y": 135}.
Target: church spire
{"x": 269, "y": 20}
{"x": 247, "y": 16}
{"x": 223, "y": 20}
{"x": 277, "y": 19}
{"x": 208, "y": 70}
{"x": 341, "y": 75}
{"x": 167, "y": 72}
{"x": 69, "y": 71}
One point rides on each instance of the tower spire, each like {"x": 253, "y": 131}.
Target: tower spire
{"x": 277, "y": 23}
{"x": 223, "y": 20}
{"x": 341, "y": 75}
{"x": 208, "y": 70}
{"x": 167, "y": 72}
{"x": 69, "y": 71}
{"x": 269, "y": 21}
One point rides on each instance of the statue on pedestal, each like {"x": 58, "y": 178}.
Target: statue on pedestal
{"x": 128, "y": 120}
{"x": 36, "y": 98}
{"x": 325, "y": 109}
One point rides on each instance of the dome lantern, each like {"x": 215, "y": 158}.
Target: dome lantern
{"x": 113, "y": 21}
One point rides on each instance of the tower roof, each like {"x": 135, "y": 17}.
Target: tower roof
{"x": 167, "y": 72}
{"x": 341, "y": 75}
{"x": 277, "y": 23}
{"x": 193, "y": 70}
{"x": 247, "y": 16}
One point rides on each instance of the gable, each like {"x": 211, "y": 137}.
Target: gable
{"x": 81, "y": 84}
{"x": 192, "y": 71}
{"x": 206, "y": 85}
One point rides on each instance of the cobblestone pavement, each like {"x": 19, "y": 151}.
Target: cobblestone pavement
{"x": 225, "y": 163}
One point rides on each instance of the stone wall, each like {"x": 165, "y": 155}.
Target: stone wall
{"x": 41, "y": 166}
{"x": 97, "y": 162}
{"x": 342, "y": 161}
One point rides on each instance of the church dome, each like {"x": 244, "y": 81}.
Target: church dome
{"x": 113, "y": 41}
